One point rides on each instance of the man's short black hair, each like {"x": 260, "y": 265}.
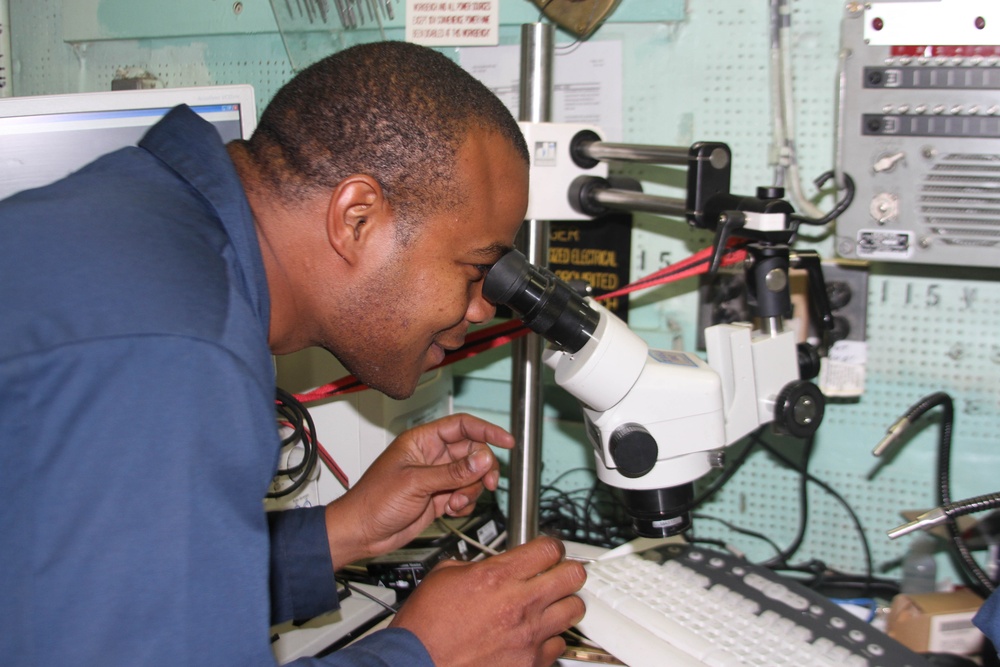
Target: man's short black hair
{"x": 392, "y": 110}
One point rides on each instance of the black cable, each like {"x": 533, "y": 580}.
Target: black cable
{"x": 720, "y": 544}
{"x": 985, "y": 585}
{"x": 979, "y": 580}
{"x": 296, "y": 434}
{"x": 346, "y": 583}
{"x": 839, "y": 207}
{"x": 869, "y": 568}
{"x": 738, "y": 529}
{"x": 784, "y": 555}
{"x": 590, "y": 514}
{"x": 820, "y": 576}
{"x": 303, "y": 431}
{"x": 987, "y": 501}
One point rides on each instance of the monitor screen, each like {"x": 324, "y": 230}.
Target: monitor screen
{"x": 46, "y": 137}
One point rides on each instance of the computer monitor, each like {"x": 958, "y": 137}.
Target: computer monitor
{"x": 44, "y": 138}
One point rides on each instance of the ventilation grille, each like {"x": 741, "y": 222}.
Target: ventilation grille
{"x": 960, "y": 199}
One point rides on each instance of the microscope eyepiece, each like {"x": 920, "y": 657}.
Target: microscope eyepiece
{"x": 546, "y": 304}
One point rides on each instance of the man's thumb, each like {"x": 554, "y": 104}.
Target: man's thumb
{"x": 467, "y": 469}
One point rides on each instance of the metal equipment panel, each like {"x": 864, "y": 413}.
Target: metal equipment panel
{"x": 920, "y": 132}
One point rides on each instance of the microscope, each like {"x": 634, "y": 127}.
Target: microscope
{"x": 659, "y": 420}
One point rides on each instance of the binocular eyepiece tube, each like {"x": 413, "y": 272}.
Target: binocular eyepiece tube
{"x": 546, "y": 304}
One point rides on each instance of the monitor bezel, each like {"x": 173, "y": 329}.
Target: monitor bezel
{"x": 149, "y": 98}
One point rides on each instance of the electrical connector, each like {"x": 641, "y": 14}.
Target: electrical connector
{"x": 934, "y": 517}
{"x": 893, "y": 434}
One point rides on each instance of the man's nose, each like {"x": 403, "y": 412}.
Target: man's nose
{"x": 480, "y": 310}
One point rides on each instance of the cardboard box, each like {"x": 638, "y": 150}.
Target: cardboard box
{"x": 936, "y": 622}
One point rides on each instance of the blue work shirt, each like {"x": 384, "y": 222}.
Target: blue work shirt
{"x": 987, "y": 619}
{"x": 137, "y": 425}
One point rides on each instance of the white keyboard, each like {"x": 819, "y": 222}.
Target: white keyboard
{"x": 682, "y": 606}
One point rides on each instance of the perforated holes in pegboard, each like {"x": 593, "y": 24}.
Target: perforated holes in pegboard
{"x": 765, "y": 499}
{"x": 814, "y": 29}
{"x": 40, "y": 60}
{"x": 733, "y": 103}
{"x": 877, "y": 503}
{"x": 49, "y": 65}
{"x": 938, "y": 332}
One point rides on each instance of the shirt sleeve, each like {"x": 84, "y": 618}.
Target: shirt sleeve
{"x": 392, "y": 647}
{"x": 302, "y": 581}
{"x": 987, "y": 619}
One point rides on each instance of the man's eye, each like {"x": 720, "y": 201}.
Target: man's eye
{"x": 483, "y": 269}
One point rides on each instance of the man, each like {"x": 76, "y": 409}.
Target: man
{"x": 142, "y": 298}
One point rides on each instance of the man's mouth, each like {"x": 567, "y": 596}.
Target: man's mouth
{"x": 437, "y": 355}
{"x": 439, "y": 351}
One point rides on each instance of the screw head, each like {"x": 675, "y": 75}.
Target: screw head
{"x": 717, "y": 458}
{"x": 776, "y": 280}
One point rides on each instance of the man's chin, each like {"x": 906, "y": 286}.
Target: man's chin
{"x": 397, "y": 385}
{"x": 396, "y": 388}
{"x": 396, "y": 394}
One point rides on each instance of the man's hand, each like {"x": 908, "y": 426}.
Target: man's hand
{"x": 434, "y": 469}
{"x": 507, "y": 610}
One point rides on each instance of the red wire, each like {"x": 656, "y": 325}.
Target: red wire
{"x": 337, "y": 471}
{"x": 687, "y": 267}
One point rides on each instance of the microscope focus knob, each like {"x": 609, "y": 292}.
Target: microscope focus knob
{"x": 799, "y": 409}
{"x": 633, "y": 450}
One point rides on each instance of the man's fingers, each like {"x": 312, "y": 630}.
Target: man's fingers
{"x": 533, "y": 558}
{"x": 463, "y": 501}
{"x": 464, "y": 472}
{"x": 562, "y": 615}
{"x": 560, "y": 581}
{"x": 459, "y": 427}
{"x": 454, "y": 487}
{"x": 551, "y": 649}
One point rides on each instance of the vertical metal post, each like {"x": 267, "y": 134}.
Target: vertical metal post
{"x": 537, "y": 49}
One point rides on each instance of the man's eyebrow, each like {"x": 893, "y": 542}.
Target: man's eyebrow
{"x": 492, "y": 252}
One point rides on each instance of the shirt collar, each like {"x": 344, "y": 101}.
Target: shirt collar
{"x": 192, "y": 147}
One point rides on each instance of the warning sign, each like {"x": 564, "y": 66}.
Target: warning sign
{"x": 453, "y": 22}
{"x": 594, "y": 252}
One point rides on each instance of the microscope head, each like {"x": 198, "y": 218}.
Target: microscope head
{"x": 653, "y": 417}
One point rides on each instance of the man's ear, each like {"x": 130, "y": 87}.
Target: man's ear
{"x": 357, "y": 208}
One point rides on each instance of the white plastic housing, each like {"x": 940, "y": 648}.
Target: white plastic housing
{"x": 604, "y": 370}
{"x": 678, "y": 399}
{"x": 553, "y": 169}
{"x": 754, "y": 368}
{"x": 688, "y": 406}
